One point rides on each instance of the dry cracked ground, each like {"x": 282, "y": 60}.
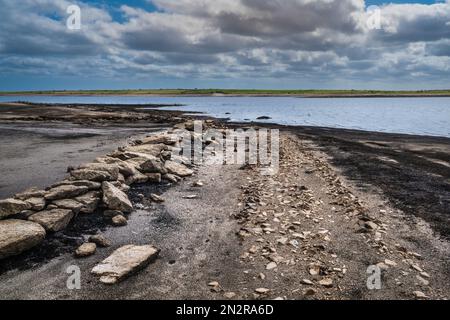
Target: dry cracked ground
{"x": 230, "y": 233}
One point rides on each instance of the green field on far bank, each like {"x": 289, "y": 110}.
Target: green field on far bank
{"x": 174, "y": 92}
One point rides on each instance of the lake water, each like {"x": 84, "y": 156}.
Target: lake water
{"x": 422, "y": 116}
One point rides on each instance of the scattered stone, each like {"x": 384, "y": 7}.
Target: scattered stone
{"x": 229, "y": 295}
{"x": 178, "y": 169}
{"x": 314, "y": 270}
{"x": 125, "y": 261}
{"x": 213, "y": 284}
{"x": 423, "y": 281}
{"x": 17, "y": 236}
{"x": 309, "y": 292}
{"x": 53, "y": 220}
{"x": 390, "y": 263}
{"x": 370, "y": 225}
{"x": 420, "y": 295}
{"x": 65, "y": 192}
{"x": 115, "y": 199}
{"x": 416, "y": 267}
{"x": 307, "y": 282}
{"x": 198, "y": 184}
{"x": 326, "y": 282}
{"x": 156, "y": 198}
{"x": 11, "y": 207}
{"x": 190, "y": 197}
{"x": 86, "y": 250}
{"x": 262, "y": 290}
{"x": 271, "y": 266}
{"x": 119, "y": 221}
{"x": 100, "y": 241}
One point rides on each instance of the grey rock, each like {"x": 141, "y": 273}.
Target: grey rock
{"x": 178, "y": 169}
{"x": 53, "y": 220}
{"x": 65, "y": 192}
{"x": 17, "y": 236}
{"x": 30, "y": 193}
{"x": 114, "y": 199}
{"x": 86, "y": 250}
{"x": 93, "y": 175}
{"x": 11, "y": 207}
{"x": 125, "y": 261}
{"x": 69, "y": 204}
{"x": 100, "y": 241}
{"x": 89, "y": 201}
{"x": 153, "y": 166}
{"x": 37, "y": 204}
{"x": 91, "y": 185}
{"x": 119, "y": 221}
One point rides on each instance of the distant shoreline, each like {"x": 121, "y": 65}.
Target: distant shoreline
{"x": 240, "y": 93}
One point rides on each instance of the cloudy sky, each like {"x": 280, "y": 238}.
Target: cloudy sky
{"x": 281, "y": 44}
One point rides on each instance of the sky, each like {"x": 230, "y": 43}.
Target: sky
{"x": 279, "y": 44}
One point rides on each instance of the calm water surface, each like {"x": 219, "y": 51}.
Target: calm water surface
{"x": 422, "y": 116}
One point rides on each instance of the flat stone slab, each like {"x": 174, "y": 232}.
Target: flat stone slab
{"x": 11, "y": 207}
{"x": 125, "y": 261}
{"x": 65, "y": 192}
{"x": 17, "y": 236}
{"x": 115, "y": 199}
{"x": 53, "y": 220}
{"x": 178, "y": 169}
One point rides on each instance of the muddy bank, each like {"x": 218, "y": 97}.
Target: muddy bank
{"x": 38, "y": 141}
{"x": 38, "y": 154}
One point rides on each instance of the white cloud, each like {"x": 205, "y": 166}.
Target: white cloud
{"x": 321, "y": 39}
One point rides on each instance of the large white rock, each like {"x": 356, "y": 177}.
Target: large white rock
{"x": 178, "y": 169}
{"x": 11, "y": 207}
{"x": 114, "y": 199}
{"x": 125, "y": 261}
{"x": 53, "y": 220}
{"x": 65, "y": 192}
{"x": 17, "y": 236}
